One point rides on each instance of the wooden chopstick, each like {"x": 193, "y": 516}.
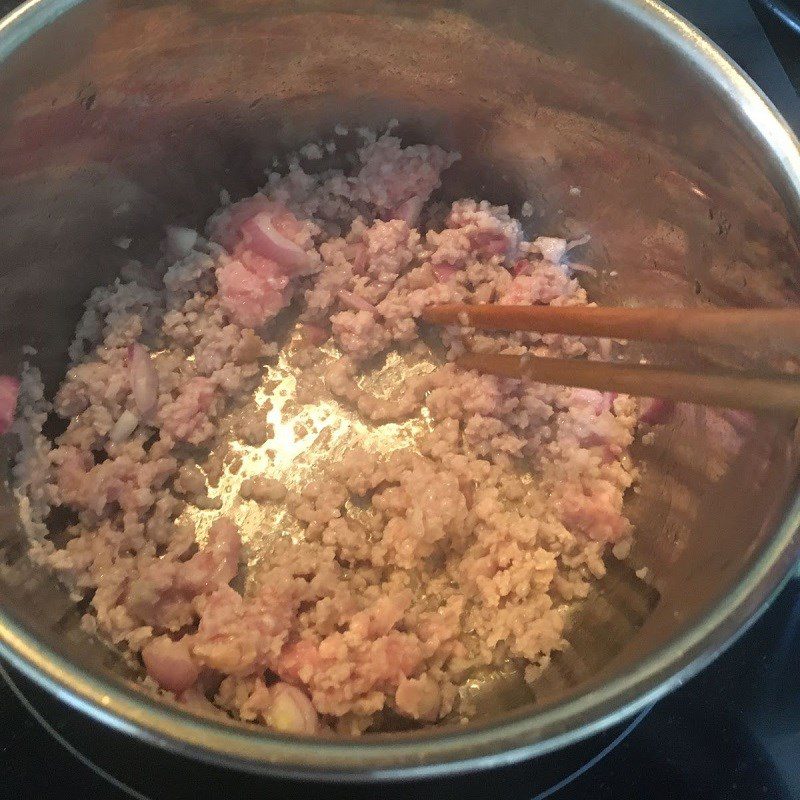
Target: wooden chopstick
{"x": 761, "y": 330}
{"x": 729, "y": 390}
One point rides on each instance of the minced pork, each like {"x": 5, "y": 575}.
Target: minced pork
{"x": 416, "y": 566}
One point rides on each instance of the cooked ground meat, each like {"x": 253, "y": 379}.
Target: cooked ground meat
{"x": 396, "y": 571}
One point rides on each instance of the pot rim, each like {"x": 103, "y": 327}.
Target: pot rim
{"x": 523, "y": 734}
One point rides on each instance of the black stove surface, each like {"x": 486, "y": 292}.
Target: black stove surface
{"x": 732, "y": 733}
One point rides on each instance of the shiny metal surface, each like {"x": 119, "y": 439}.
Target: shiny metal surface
{"x": 117, "y": 117}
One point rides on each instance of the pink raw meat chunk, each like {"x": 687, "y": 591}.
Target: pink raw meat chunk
{"x": 238, "y": 636}
{"x": 163, "y": 592}
{"x": 345, "y": 672}
{"x": 267, "y": 229}
{"x": 187, "y": 417}
{"x": 9, "y": 389}
{"x": 226, "y": 225}
{"x": 252, "y": 289}
{"x": 399, "y": 180}
{"x": 596, "y": 514}
{"x": 270, "y": 246}
{"x": 218, "y": 562}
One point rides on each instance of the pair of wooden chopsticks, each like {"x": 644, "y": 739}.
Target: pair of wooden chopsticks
{"x": 769, "y": 331}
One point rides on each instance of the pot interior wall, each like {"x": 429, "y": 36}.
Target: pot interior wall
{"x": 121, "y": 117}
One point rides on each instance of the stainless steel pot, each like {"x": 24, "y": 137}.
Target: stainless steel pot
{"x": 611, "y": 115}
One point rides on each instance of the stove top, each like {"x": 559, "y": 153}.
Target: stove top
{"x": 732, "y": 733}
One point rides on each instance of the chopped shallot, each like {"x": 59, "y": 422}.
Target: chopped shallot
{"x": 409, "y": 210}
{"x": 520, "y": 267}
{"x": 264, "y": 234}
{"x": 444, "y": 272}
{"x": 490, "y": 243}
{"x": 361, "y": 260}
{"x": 356, "y": 302}
{"x": 290, "y": 710}
{"x": 225, "y": 226}
{"x": 144, "y": 379}
{"x": 123, "y": 427}
{"x": 170, "y": 664}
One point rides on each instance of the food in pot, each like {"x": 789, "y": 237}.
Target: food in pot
{"x": 312, "y": 522}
